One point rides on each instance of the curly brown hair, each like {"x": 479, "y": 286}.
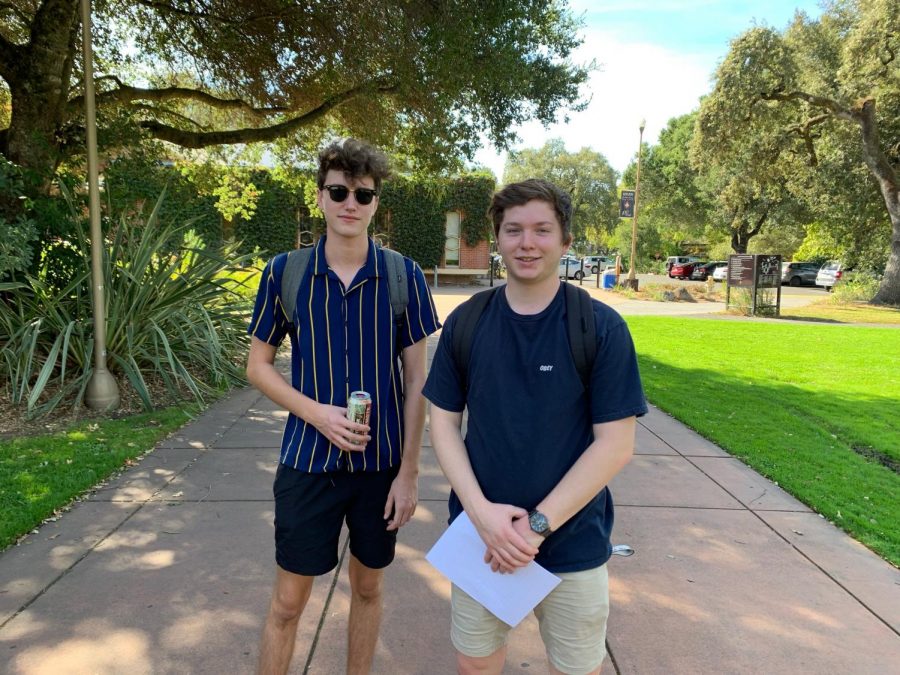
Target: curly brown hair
{"x": 356, "y": 159}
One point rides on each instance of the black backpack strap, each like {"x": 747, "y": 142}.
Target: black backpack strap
{"x": 466, "y": 318}
{"x": 582, "y": 331}
{"x": 294, "y": 269}
{"x": 398, "y": 290}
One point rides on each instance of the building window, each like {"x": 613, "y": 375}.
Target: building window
{"x": 451, "y": 241}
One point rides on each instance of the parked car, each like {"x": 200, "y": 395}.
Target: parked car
{"x": 720, "y": 273}
{"x": 677, "y": 259}
{"x": 499, "y": 267}
{"x": 831, "y": 273}
{"x": 598, "y": 263}
{"x": 701, "y": 272}
{"x": 799, "y": 273}
{"x": 571, "y": 267}
{"x": 683, "y": 270}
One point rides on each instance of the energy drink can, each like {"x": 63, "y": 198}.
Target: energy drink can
{"x": 359, "y": 407}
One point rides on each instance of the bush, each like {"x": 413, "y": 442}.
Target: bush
{"x": 861, "y": 288}
{"x": 172, "y": 314}
{"x": 18, "y": 231}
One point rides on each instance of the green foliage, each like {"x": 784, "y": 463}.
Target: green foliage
{"x": 412, "y": 213}
{"x": 276, "y": 218}
{"x": 412, "y": 218}
{"x": 18, "y": 230}
{"x": 171, "y": 314}
{"x": 135, "y": 180}
{"x": 424, "y": 79}
{"x": 861, "y": 287}
{"x": 471, "y": 196}
{"x": 672, "y": 203}
{"x": 818, "y": 107}
{"x": 586, "y": 175}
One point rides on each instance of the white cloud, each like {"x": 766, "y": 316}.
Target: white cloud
{"x": 636, "y": 81}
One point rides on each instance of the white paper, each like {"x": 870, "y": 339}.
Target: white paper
{"x": 459, "y": 555}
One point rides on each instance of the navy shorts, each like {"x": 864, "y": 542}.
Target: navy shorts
{"x": 310, "y": 509}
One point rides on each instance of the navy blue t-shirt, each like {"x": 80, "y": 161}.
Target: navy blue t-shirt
{"x": 530, "y": 417}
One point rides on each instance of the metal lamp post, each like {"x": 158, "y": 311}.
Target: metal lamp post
{"x": 102, "y": 391}
{"x": 631, "y": 281}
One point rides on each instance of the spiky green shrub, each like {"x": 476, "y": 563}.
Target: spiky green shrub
{"x": 173, "y": 315}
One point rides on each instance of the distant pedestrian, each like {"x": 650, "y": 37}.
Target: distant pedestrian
{"x": 541, "y": 448}
{"x": 344, "y": 338}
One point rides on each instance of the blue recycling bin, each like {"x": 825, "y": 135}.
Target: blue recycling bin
{"x": 609, "y": 279}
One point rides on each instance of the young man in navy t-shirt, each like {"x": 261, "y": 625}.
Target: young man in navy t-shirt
{"x": 539, "y": 451}
{"x": 344, "y": 338}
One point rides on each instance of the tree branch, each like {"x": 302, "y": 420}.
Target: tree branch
{"x": 835, "y": 108}
{"x": 158, "y": 112}
{"x": 17, "y": 12}
{"x": 164, "y": 7}
{"x": 126, "y": 94}
{"x": 803, "y": 131}
{"x": 169, "y": 9}
{"x": 873, "y": 155}
{"x": 759, "y": 223}
{"x": 10, "y": 55}
{"x": 192, "y": 139}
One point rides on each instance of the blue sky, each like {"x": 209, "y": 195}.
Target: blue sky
{"x": 663, "y": 52}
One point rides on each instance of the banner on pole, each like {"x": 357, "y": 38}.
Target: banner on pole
{"x": 626, "y": 204}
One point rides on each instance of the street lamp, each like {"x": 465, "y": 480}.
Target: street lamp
{"x": 102, "y": 391}
{"x": 632, "y": 282}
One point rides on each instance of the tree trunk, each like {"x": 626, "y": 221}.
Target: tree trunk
{"x": 889, "y": 291}
{"x": 739, "y": 239}
{"x": 741, "y": 235}
{"x": 39, "y": 87}
{"x": 881, "y": 169}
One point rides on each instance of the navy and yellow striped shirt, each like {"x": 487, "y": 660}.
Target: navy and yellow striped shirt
{"x": 344, "y": 340}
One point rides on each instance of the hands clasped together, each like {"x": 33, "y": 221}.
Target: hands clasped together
{"x": 510, "y": 541}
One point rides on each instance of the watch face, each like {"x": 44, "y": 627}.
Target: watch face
{"x": 539, "y": 524}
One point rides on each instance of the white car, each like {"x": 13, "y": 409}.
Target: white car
{"x": 598, "y": 263}
{"x": 720, "y": 273}
{"x": 831, "y": 273}
{"x": 571, "y": 267}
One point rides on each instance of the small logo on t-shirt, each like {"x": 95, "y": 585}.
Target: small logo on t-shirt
{"x": 546, "y": 369}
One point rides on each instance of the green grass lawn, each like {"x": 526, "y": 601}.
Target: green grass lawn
{"x": 812, "y": 407}
{"x": 40, "y": 474}
{"x": 856, "y": 312}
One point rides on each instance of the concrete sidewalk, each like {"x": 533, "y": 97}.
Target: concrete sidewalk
{"x": 167, "y": 569}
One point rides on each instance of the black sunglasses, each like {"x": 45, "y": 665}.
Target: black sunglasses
{"x": 338, "y": 193}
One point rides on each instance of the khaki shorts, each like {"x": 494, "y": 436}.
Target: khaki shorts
{"x": 572, "y": 620}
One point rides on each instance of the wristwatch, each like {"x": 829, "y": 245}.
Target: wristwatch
{"x": 539, "y": 523}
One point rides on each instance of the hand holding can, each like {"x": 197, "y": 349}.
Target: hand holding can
{"x": 359, "y": 407}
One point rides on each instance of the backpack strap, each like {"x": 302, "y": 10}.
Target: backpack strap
{"x": 580, "y": 328}
{"x": 398, "y": 290}
{"x": 294, "y": 269}
{"x": 582, "y": 331}
{"x": 467, "y": 315}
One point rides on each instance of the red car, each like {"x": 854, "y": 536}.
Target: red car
{"x": 683, "y": 270}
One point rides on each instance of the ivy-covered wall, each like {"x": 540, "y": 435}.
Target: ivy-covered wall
{"x": 134, "y": 183}
{"x": 411, "y": 218}
{"x": 413, "y": 214}
{"x": 471, "y": 196}
{"x": 267, "y": 209}
{"x": 274, "y": 223}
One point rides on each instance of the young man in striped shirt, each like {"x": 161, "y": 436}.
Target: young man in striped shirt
{"x": 344, "y": 338}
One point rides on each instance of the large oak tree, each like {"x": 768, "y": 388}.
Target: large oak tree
{"x": 428, "y": 76}
{"x": 794, "y": 94}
